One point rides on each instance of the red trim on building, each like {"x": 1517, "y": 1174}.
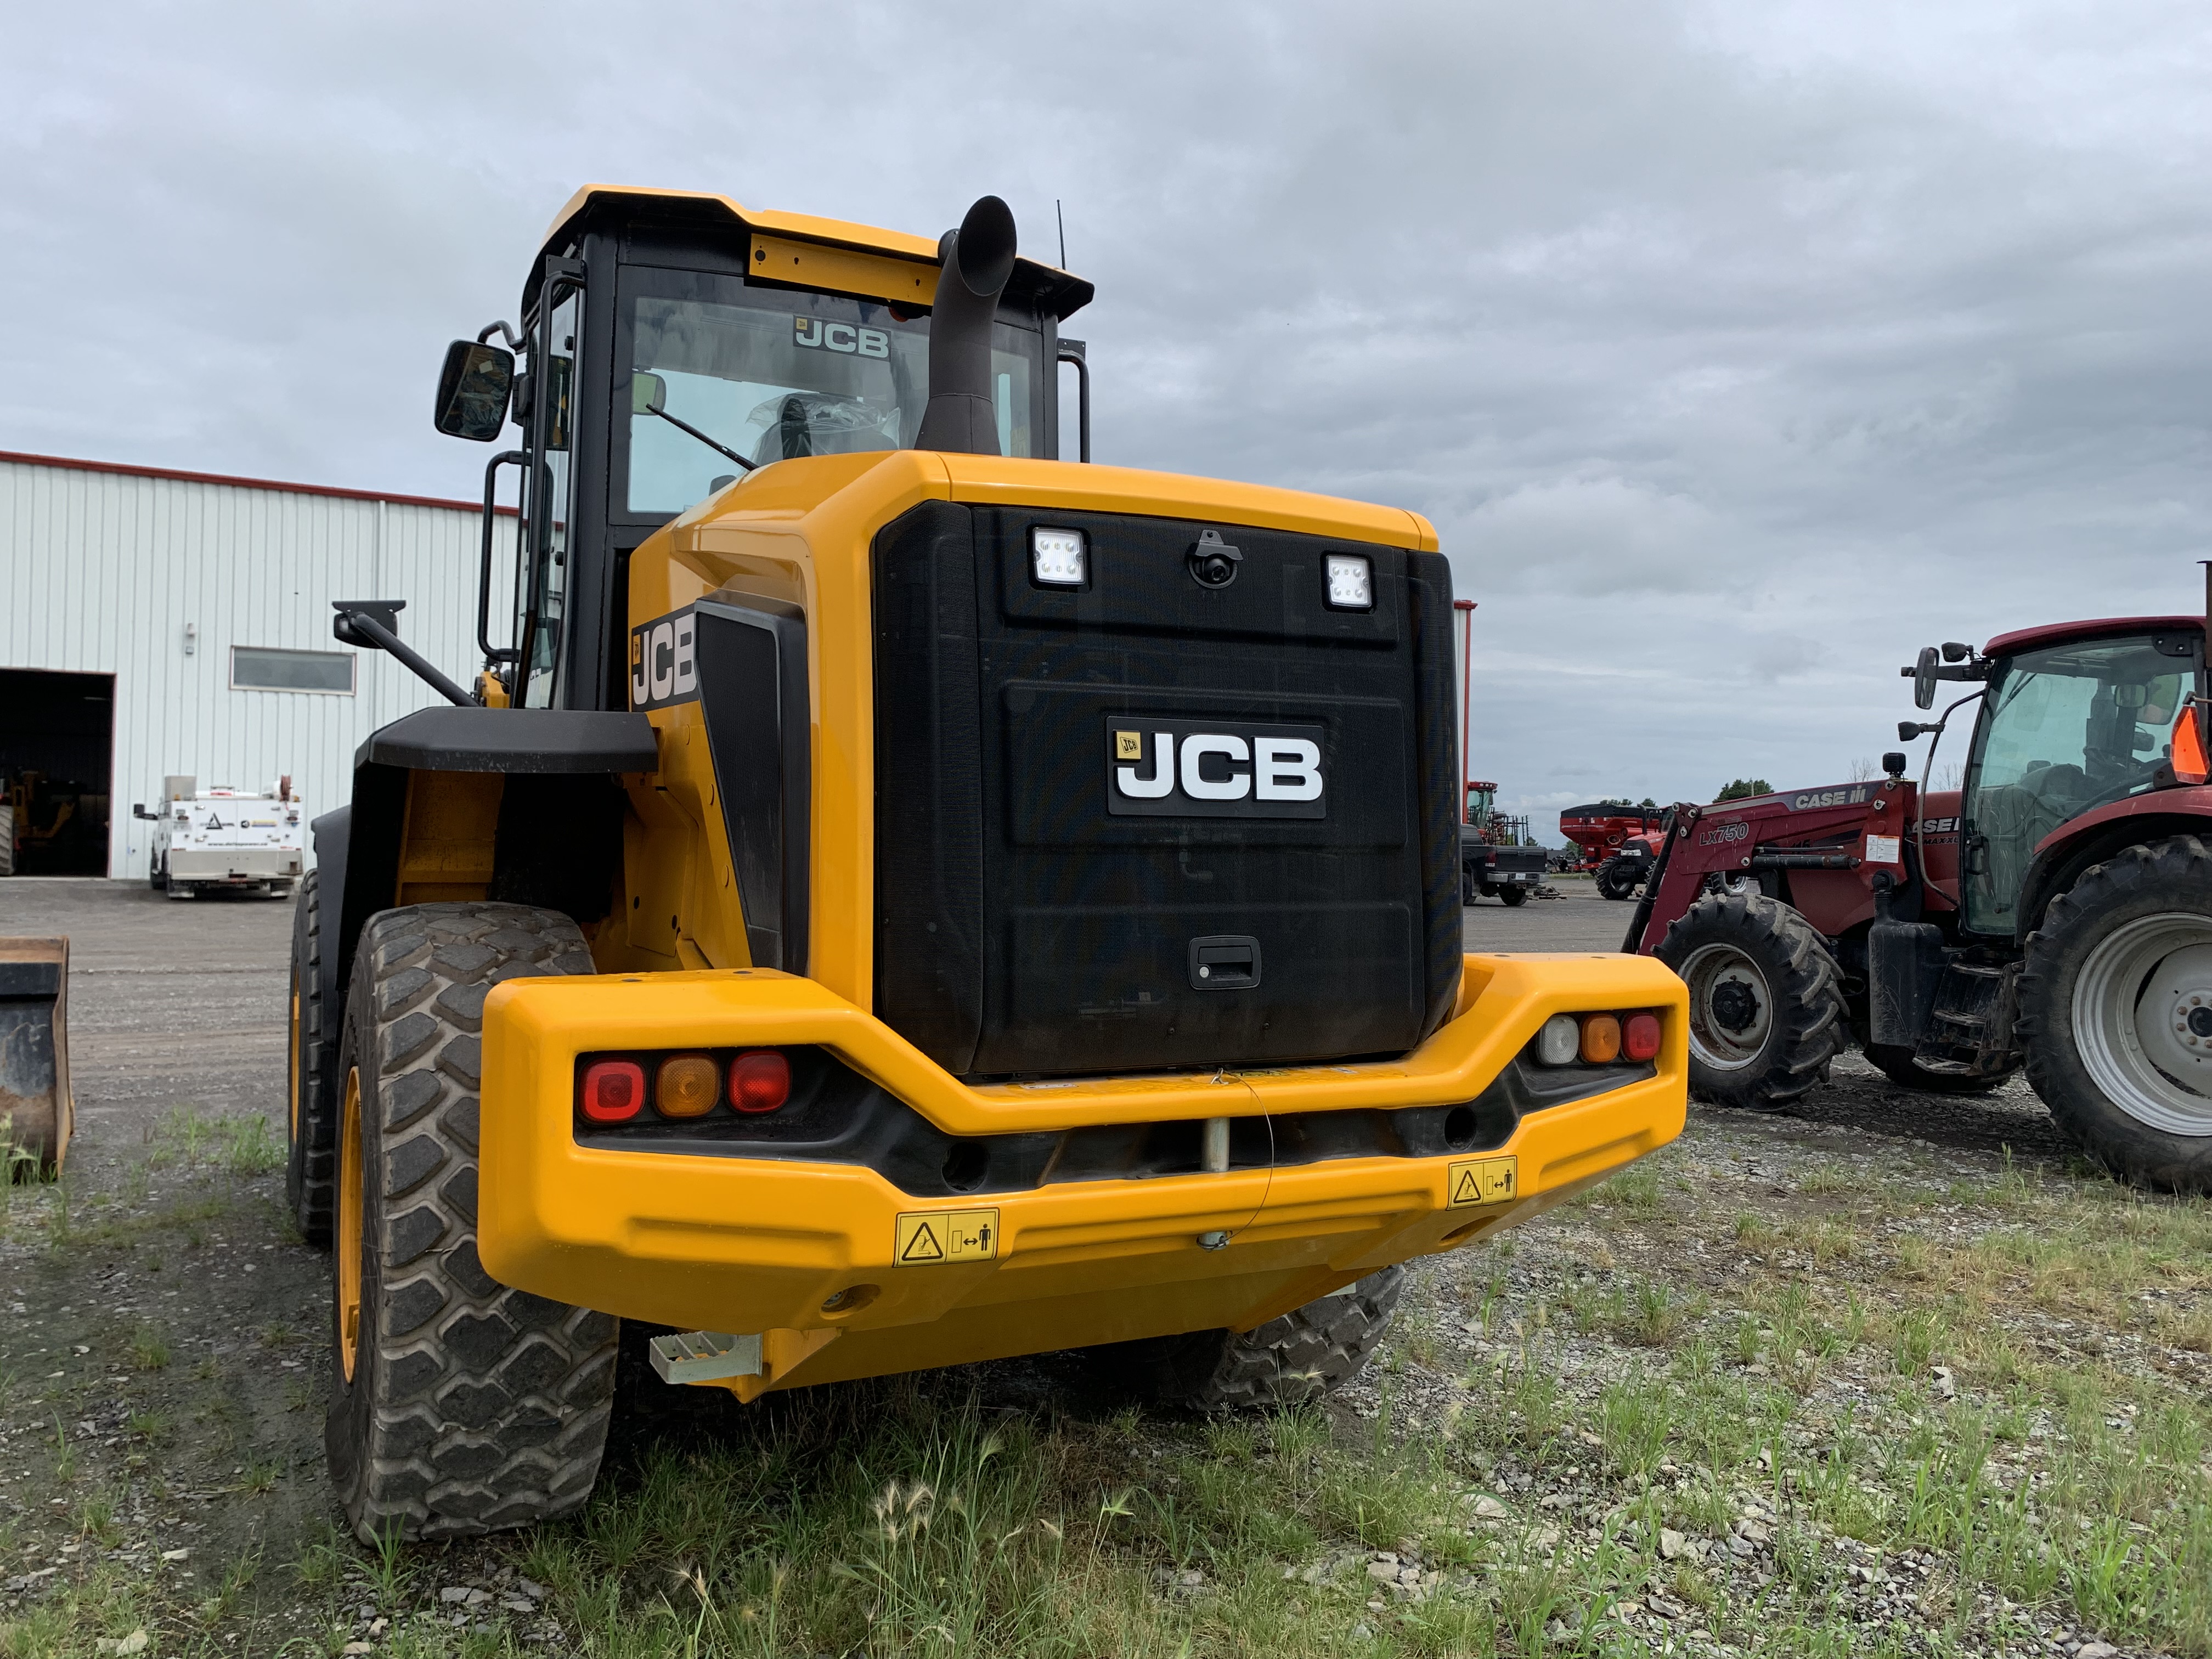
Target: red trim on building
{"x": 68, "y": 464}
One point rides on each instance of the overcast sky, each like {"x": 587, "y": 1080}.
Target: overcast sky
{"x": 1735, "y": 351}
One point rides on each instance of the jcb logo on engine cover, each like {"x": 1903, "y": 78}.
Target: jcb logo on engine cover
{"x": 847, "y": 337}
{"x": 664, "y": 667}
{"x": 1212, "y": 769}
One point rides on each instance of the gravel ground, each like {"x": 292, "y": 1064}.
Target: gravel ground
{"x": 162, "y": 1370}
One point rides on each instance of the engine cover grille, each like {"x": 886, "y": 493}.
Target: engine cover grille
{"x": 1045, "y": 874}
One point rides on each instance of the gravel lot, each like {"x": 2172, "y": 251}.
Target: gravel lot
{"x": 1694, "y": 1403}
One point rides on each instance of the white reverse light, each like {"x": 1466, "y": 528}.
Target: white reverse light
{"x": 1350, "y": 583}
{"x": 1056, "y": 558}
{"x": 1560, "y": 1041}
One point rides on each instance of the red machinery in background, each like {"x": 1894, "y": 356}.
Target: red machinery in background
{"x": 1604, "y": 827}
{"x": 2055, "y": 912}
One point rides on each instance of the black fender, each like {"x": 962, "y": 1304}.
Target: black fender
{"x": 556, "y": 842}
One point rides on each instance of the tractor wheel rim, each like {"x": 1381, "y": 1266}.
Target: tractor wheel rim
{"x": 350, "y": 1225}
{"x": 1706, "y": 971}
{"x": 2139, "y": 1004}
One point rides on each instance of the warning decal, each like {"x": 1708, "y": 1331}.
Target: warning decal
{"x": 1482, "y": 1181}
{"x": 926, "y": 1237}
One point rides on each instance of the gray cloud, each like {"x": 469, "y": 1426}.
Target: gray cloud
{"x": 1735, "y": 351}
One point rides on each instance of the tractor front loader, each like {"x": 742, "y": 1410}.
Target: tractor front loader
{"x": 2055, "y": 912}
{"x": 893, "y": 897}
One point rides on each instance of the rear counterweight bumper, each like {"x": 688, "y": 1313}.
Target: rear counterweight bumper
{"x": 810, "y": 1255}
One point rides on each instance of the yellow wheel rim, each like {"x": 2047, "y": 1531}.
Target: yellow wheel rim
{"x": 349, "y": 1224}
{"x": 292, "y": 1063}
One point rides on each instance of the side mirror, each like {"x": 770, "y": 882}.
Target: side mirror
{"x": 648, "y": 393}
{"x": 472, "y": 391}
{"x": 1924, "y": 678}
{"x": 137, "y": 810}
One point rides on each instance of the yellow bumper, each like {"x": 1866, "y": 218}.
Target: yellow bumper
{"x": 746, "y": 1245}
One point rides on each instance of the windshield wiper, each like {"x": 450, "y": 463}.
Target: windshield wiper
{"x": 718, "y": 448}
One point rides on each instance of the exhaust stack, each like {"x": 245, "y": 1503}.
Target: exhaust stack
{"x": 979, "y": 257}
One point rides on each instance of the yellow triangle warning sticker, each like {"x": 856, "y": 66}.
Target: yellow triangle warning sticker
{"x": 926, "y": 1237}
{"x": 1482, "y": 1181}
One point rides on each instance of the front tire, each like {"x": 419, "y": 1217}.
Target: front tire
{"x": 1304, "y": 1354}
{"x": 311, "y": 1127}
{"x": 1619, "y": 878}
{"x": 461, "y": 1406}
{"x": 1766, "y": 1004}
{"x": 2116, "y": 1013}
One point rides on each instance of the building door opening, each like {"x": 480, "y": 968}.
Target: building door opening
{"x": 57, "y": 749}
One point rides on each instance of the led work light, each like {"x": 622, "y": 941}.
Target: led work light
{"x": 1350, "y": 582}
{"x": 1056, "y": 558}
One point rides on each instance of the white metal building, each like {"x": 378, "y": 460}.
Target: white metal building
{"x": 155, "y": 622}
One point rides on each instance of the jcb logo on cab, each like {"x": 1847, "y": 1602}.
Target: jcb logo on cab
{"x": 847, "y": 337}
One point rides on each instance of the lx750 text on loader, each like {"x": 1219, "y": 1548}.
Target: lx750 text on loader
{"x": 894, "y": 897}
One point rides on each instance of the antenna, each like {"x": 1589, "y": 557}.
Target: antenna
{"x": 1063, "y": 224}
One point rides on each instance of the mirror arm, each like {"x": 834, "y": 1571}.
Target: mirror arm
{"x": 357, "y": 627}
{"x": 514, "y": 342}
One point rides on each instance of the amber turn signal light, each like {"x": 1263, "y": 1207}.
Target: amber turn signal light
{"x": 1600, "y": 1039}
{"x": 613, "y": 1091}
{"x": 687, "y": 1086}
{"x": 1639, "y": 1036}
{"x": 760, "y": 1080}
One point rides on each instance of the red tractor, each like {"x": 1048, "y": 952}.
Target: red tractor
{"x": 2055, "y": 912}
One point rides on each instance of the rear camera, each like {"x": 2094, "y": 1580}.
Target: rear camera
{"x": 760, "y": 1080}
{"x": 686, "y": 1087}
{"x": 1213, "y": 561}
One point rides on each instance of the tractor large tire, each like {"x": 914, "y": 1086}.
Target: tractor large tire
{"x": 1619, "y": 878}
{"x": 1299, "y": 1356}
{"x": 461, "y": 1406}
{"x": 2116, "y": 1013}
{"x": 312, "y": 1106}
{"x": 1767, "y": 1014}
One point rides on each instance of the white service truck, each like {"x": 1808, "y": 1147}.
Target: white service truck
{"x": 225, "y": 837}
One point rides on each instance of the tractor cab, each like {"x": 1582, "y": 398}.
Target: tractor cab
{"x": 2074, "y": 719}
{"x": 671, "y": 342}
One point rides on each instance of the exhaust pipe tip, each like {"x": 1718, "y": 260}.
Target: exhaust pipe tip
{"x": 961, "y": 418}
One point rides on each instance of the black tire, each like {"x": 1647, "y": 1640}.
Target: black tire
{"x": 311, "y": 1104}
{"x": 1513, "y": 898}
{"x": 1907, "y": 1072}
{"x": 1762, "y": 1045}
{"x": 467, "y": 1407}
{"x": 156, "y": 877}
{"x": 1299, "y": 1356}
{"x": 1619, "y": 878}
{"x": 2124, "y": 942}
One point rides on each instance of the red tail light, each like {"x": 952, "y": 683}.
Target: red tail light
{"x": 613, "y": 1091}
{"x": 1639, "y": 1036}
{"x": 760, "y": 1080}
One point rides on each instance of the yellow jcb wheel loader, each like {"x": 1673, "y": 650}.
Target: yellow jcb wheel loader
{"x": 895, "y": 898}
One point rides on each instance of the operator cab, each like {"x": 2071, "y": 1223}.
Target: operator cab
{"x": 671, "y": 342}
{"x": 2072, "y": 719}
